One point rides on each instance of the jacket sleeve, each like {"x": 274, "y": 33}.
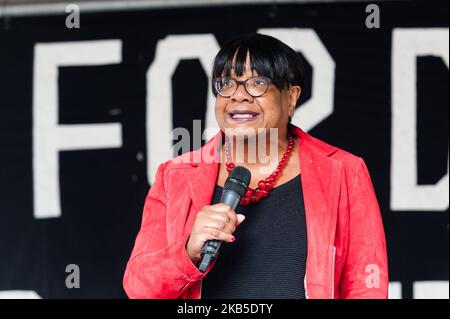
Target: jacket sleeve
{"x": 157, "y": 268}
{"x": 365, "y": 274}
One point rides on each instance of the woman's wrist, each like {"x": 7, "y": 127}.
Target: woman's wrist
{"x": 195, "y": 259}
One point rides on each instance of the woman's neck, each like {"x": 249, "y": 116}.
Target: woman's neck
{"x": 256, "y": 151}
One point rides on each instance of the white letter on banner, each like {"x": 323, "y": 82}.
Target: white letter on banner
{"x": 169, "y": 52}
{"x": 430, "y": 289}
{"x": 19, "y": 294}
{"x": 406, "y": 194}
{"x": 320, "y": 105}
{"x": 49, "y": 137}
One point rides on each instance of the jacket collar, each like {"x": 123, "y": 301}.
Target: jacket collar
{"x": 204, "y": 163}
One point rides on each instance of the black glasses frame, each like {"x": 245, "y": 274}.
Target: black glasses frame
{"x": 244, "y": 83}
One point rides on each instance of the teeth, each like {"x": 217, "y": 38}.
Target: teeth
{"x": 242, "y": 116}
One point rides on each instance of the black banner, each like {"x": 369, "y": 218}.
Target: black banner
{"x": 86, "y": 113}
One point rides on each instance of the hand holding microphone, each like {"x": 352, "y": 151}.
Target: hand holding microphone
{"x": 217, "y": 223}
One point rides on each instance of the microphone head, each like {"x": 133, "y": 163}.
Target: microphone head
{"x": 238, "y": 180}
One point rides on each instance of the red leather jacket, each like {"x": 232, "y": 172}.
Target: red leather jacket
{"x": 346, "y": 242}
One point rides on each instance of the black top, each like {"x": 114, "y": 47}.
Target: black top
{"x": 268, "y": 258}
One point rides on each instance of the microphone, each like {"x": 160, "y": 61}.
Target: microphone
{"x": 234, "y": 189}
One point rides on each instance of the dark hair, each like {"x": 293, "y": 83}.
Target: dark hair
{"x": 268, "y": 57}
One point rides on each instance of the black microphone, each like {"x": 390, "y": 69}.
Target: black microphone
{"x": 234, "y": 189}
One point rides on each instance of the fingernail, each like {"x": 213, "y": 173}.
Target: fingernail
{"x": 233, "y": 238}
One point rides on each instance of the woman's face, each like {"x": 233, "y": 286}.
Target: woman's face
{"x": 270, "y": 110}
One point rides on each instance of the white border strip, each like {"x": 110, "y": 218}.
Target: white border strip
{"x": 8, "y": 10}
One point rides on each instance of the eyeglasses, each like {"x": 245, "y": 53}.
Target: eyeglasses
{"x": 256, "y": 86}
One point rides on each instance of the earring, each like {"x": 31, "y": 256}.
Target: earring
{"x": 290, "y": 115}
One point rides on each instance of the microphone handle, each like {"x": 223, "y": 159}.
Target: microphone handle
{"x": 211, "y": 247}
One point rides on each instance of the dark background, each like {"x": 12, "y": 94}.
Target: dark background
{"x": 103, "y": 191}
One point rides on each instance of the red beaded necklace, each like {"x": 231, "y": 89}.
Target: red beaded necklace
{"x": 264, "y": 185}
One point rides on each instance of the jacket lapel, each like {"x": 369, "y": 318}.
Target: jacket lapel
{"x": 320, "y": 184}
{"x": 201, "y": 176}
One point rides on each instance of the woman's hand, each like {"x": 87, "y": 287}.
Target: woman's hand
{"x": 217, "y": 222}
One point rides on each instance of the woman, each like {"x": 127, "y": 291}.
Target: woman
{"x": 309, "y": 225}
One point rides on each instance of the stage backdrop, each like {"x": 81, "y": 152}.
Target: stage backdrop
{"x": 86, "y": 115}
